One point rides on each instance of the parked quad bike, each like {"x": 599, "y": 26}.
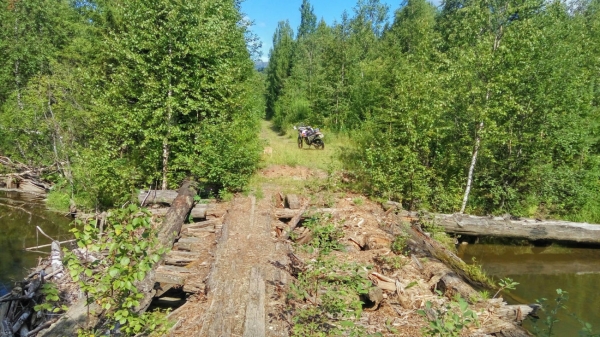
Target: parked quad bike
{"x": 310, "y": 136}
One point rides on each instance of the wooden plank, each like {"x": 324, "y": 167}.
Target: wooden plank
{"x": 531, "y": 229}
{"x": 199, "y": 232}
{"x": 164, "y": 197}
{"x": 195, "y": 286}
{"x": 292, "y": 201}
{"x": 172, "y": 275}
{"x": 179, "y": 258}
{"x": 198, "y": 212}
{"x": 201, "y": 224}
{"x": 189, "y": 243}
{"x": 290, "y": 213}
{"x": 255, "y": 311}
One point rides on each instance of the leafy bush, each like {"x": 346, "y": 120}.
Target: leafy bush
{"x": 450, "y": 321}
{"x": 128, "y": 249}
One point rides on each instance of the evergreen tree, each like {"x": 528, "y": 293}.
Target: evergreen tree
{"x": 308, "y": 20}
{"x": 280, "y": 65}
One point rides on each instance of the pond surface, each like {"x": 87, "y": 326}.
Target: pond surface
{"x": 540, "y": 271}
{"x": 20, "y": 213}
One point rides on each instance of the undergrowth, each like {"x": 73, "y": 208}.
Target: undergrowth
{"x": 118, "y": 259}
{"x": 326, "y": 299}
{"x": 325, "y": 235}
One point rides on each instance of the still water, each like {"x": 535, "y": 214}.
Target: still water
{"x": 19, "y": 214}
{"x": 540, "y": 271}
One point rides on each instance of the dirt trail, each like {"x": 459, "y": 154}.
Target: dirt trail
{"x": 242, "y": 297}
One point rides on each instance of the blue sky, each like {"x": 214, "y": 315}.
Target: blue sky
{"x": 267, "y": 13}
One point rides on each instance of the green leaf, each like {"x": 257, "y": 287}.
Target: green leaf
{"x": 125, "y": 261}
{"x": 347, "y": 324}
{"x": 113, "y": 272}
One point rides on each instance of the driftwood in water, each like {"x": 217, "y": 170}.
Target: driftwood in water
{"x": 531, "y": 229}
{"x": 77, "y": 315}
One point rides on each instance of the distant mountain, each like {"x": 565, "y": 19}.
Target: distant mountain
{"x": 260, "y": 65}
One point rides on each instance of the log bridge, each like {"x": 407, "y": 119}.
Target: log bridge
{"x": 185, "y": 267}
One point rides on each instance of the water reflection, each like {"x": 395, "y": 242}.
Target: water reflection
{"x": 540, "y": 271}
{"x": 20, "y": 213}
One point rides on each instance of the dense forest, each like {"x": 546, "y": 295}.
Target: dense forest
{"x": 488, "y": 107}
{"x": 485, "y": 106}
{"x": 111, "y": 96}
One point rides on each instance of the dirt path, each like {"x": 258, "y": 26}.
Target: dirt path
{"x": 242, "y": 297}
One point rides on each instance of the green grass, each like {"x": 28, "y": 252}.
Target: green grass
{"x": 286, "y": 151}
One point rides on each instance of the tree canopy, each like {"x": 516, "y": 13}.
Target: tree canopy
{"x": 488, "y": 104}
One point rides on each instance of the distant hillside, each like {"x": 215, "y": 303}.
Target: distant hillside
{"x": 260, "y": 65}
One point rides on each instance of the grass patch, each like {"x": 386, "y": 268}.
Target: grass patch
{"x": 58, "y": 201}
{"x": 285, "y": 149}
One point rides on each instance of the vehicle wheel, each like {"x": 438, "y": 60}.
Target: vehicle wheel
{"x": 319, "y": 145}
{"x": 299, "y": 142}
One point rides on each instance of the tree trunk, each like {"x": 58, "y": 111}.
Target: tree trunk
{"x": 165, "y": 163}
{"x": 531, "y": 229}
{"x": 471, "y": 169}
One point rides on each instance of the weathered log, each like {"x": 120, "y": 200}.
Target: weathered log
{"x": 17, "y": 325}
{"x": 178, "y": 258}
{"x": 198, "y": 212}
{"x": 172, "y": 275}
{"x": 41, "y": 327}
{"x": 290, "y": 213}
{"x": 160, "y": 197}
{"x": 157, "y": 197}
{"x": 171, "y": 226}
{"x": 202, "y": 224}
{"x": 255, "y": 311}
{"x": 294, "y": 222}
{"x": 24, "y": 182}
{"x": 531, "y": 229}
{"x": 293, "y": 201}
{"x": 56, "y": 258}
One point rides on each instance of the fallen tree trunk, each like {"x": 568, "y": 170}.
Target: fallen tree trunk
{"x": 169, "y": 231}
{"x": 198, "y": 212}
{"x": 306, "y": 213}
{"x": 531, "y": 229}
{"x": 77, "y": 316}
{"x": 159, "y": 197}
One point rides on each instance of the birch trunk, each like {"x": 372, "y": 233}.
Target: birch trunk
{"x": 16, "y": 70}
{"x": 166, "y": 149}
{"x": 471, "y": 169}
{"x": 165, "y": 169}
